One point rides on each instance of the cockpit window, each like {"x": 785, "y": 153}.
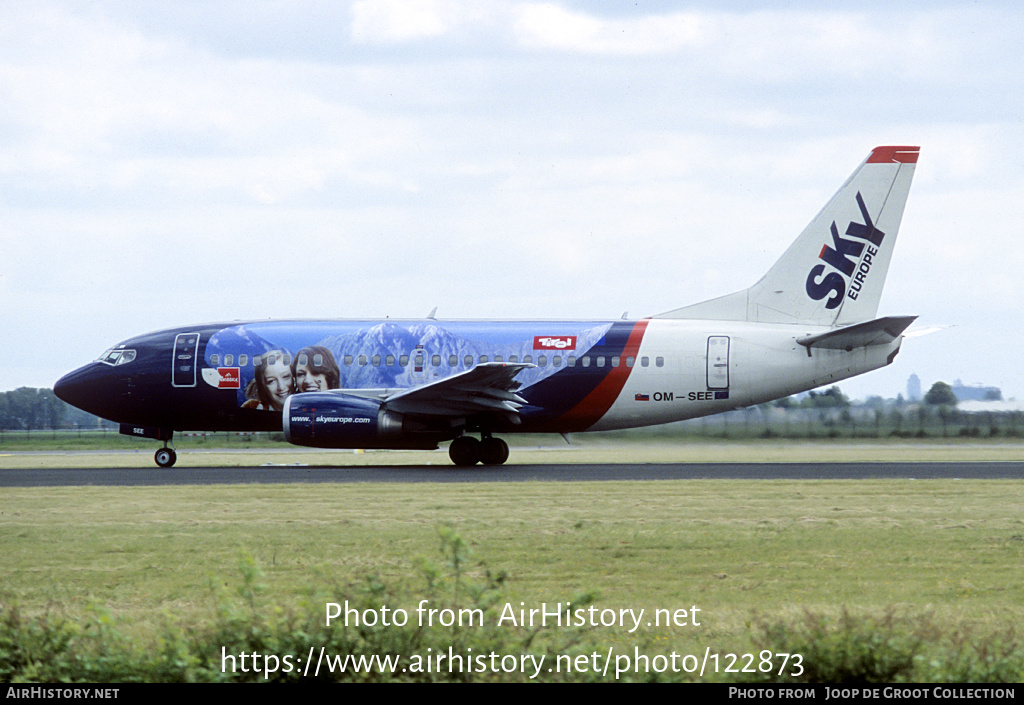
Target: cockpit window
{"x": 117, "y": 357}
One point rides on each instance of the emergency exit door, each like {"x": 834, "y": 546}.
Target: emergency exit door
{"x": 183, "y": 372}
{"x": 718, "y": 362}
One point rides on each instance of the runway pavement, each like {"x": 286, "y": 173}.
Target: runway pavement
{"x": 67, "y": 477}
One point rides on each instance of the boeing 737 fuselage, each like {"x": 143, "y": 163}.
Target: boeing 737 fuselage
{"x": 808, "y": 322}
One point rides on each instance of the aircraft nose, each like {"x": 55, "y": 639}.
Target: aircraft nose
{"x": 90, "y": 388}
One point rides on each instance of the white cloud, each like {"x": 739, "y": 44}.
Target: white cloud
{"x": 392, "y": 21}
{"x": 770, "y": 45}
{"x": 548, "y": 26}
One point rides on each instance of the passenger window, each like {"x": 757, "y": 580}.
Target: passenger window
{"x": 318, "y": 360}
{"x": 483, "y": 358}
{"x": 630, "y": 361}
{"x": 303, "y": 360}
{"x": 586, "y": 360}
{"x": 556, "y": 361}
{"x": 659, "y": 362}
{"x": 243, "y": 360}
{"x": 403, "y": 361}
{"x": 570, "y": 361}
{"x": 600, "y": 360}
{"x": 513, "y": 358}
{"x": 528, "y": 359}
{"x": 645, "y": 361}
{"x": 376, "y": 360}
{"x": 615, "y": 361}
{"x": 467, "y": 361}
{"x": 499, "y": 358}
{"x": 389, "y": 361}
{"x": 453, "y": 360}
{"x": 228, "y": 359}
{"x": 542, "y": 361}
{"x": 348, "y": 361}
{"x": 214, "y": 360}
{"x": 362, "y": 360}
{"x": 435, "y": 360}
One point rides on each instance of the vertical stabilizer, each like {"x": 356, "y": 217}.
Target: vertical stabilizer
{"x": 834, "y": 272}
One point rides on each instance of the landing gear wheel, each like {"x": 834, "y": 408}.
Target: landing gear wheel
{"x": 493, "y": 451}
{"x": 165, "y": 457}
{"x": 464, "y": 451}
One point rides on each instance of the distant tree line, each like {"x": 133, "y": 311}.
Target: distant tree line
{"x": 31, "y": 409}
{"x": 831, "y": 398}
{"x": 829, "y": 413}
{"x": 941, "y": 394}
{"x": 28, "y": 409}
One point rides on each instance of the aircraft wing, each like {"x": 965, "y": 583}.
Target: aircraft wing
{"x": 489, "y": 388}
{"x": 880, "y": 331}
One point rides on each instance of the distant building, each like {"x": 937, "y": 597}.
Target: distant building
{"x": 976, "y": 392}
{"x": 914, "y": 388}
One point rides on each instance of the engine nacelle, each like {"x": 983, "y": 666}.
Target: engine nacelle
{"x": 338, "y": 420}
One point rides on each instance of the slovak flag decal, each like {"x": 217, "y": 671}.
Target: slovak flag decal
{"x": 642, "y": 397}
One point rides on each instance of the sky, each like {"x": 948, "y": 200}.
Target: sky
{"x": 166, "y": 164}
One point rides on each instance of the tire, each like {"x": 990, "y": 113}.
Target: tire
{"x": 464, "y": 451}
{"x": 493, "y": 451}
{"x": 165, "y": 457}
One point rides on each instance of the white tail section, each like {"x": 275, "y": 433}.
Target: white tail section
{"x": 833, "y": 273}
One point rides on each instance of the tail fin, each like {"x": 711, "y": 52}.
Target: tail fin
{"x": 834, "y": 272}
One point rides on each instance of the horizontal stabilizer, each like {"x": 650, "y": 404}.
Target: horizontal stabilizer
{"x": 880, "y": 331}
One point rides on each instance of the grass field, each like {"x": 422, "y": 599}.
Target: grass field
{"x": 945, "y": 552}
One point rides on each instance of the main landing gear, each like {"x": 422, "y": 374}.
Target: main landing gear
{"x": 466, "y": 451}
{"x": 165, "y": 457}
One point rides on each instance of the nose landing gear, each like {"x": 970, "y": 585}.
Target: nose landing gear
{"x": 165, "y": 457}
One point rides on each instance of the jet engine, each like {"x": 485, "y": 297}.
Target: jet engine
{"x": 339, "y": 420}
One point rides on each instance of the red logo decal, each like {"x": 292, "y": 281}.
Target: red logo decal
{"x": 554, "y": 342}
{"x": 229, "y": 378}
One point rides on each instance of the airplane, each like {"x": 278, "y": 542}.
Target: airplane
{"x": 414, "y": 384}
